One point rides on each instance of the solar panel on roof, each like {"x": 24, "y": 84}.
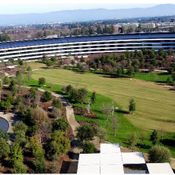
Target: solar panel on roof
{"x": 13, "y": 44}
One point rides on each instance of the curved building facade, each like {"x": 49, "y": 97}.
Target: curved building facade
{"x": 85, "y": 45}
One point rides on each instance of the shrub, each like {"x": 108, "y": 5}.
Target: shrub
{"x": 88, "y": 147}
{"x": 57, "y": 145}
{"x": 47, "y": 96}
{"x": 85, "y": 133}
{"x": 159, "y": 154}
{"x": 4, "y": 148}
{"x": 41, "y": 81}
{"x": 132, "y": 105}
{"x": 154, "y": 137}
{"x": 60, "y": 125}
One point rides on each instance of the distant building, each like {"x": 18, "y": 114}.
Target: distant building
{"x": 148, "y": 25}
{"x": 85, "y": 45}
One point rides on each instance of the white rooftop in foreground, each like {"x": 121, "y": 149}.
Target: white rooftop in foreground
{"x": 109, "y": 148}
{"x": 159, "y": 168}
{"x": 112, "y": 169}
{"x": 88, "y": 169}
{"x": 89, "y": 159}
{"x": 133, "y": 158}
{"x": 112, "y": 161}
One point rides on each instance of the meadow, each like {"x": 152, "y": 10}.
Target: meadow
{"x": 155, "y": 107}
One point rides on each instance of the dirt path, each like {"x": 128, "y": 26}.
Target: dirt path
{"x": 71, "y": 119}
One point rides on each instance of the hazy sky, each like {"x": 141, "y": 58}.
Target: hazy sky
{"x": 39, "y": 6}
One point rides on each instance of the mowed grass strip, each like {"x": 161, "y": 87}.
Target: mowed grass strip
{"x": 155, "y": 103}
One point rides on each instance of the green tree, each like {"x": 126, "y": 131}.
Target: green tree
{"x": 12, "y": 87}
{"x": 29, "y": 72}
{"x": 132, "y": 105}
{"x": 3, "y": 135}
{"x": 93, "y": 97}
{"x": 132, "y": 140}
{"x": 85, "y": 133}
{"x": 88, "y": 147}
{"x": 47, "y": 96}
{"x": 19, "y": 167}
{"x": 58, "y": 144}
{"x": 16, "y": 156}
{"x": 38, "y": 153}
{"x": 56, "y": 103}
{"x": 82, "y": 95}
{"x": 173, "y": 76}
{"x": 4, "y": 148}
{"x": 60, "y": 124}
{"x": 41, "y": 81}
{"x": 159, "y": 154}
{"x": 19, "y": 77}
{"x": 6, "y": 80}
{"x": 20, "y": 130}
{"x": 154, "y": 137}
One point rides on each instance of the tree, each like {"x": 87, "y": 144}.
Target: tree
{"x": 130, "y": 71}
{"x": 88, "y": 147}
{"x": 41, "y": 81}
{"x": 3, "y": 135}
{"x": 169, "y": 80}
{"x": 57, "y": 145}
{"x": 159, "y": 154}
{"x": 6, "y": 80}
{"x": 4, "y": 148}
{"x": 19, "y": 77}
{"x": 101, "y": 133}
{"x": 17, "y": 159}
{"x": 47, "y": 96}
{"x": 132, "y": 140}
{"x": 60, "y": 124}
{"x": 38, "y": 153}
{"x": 154, "y": 137}
{"x": 19, "y": 167}
{"x": 56, "y": 103}
{"x": 20, "y": 130}
{"x": 82, "y": 95}
{"x": 85, "y": 133}
{"x": 93, "y": 97}
{"x": 12, "y": 87}
{"x": 29, "y": 72}
{"x": 41, "y": 121}
{"x": 132, "y": 105}
{"x": 173, "y": 76}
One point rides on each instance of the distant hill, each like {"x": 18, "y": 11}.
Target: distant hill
{"x": 87, "y": 15}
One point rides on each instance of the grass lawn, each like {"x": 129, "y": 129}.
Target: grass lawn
{"x": 155, "y": 103}
{"x": 152, "y": 76}
{"x": 124, "y": 127}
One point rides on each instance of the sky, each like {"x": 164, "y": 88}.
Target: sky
{"x": 40, "y": 6}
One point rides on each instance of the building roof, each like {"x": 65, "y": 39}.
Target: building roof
{"x": 159, "y": 168}
{"x": 133, "y": 158}
{"x": 109, "y": 148}
{"x": 111, "y": 159}
{"x": 112, "y": 169}
{"x": 35, "y": 42}
{"x": 89, "y": 159}
{"x": 88, "y": 169}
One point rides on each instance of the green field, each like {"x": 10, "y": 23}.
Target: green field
{"x": 155, "y": 103}
{"x": 152, "y": 76}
